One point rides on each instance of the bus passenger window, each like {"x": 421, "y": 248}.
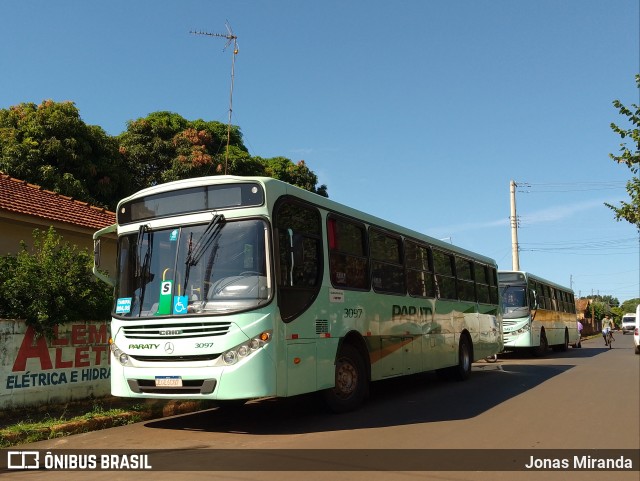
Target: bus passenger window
{"x": 387, "y": 273}
{"x": 445, "y": 278}
{"x": 419, "y": 270}
{"x": 348, "y": 262}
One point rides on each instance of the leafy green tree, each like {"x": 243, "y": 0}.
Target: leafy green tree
{"x": 164, "y": 146}
{"x": 51, "y": 284}
{"x": 630, "y": 156}
{"x": 630, "y": 305}
{"x": 296, "y": 174}
{"x": 605, "y": 299}
{"x": 600, "y": 309}
{"x": 49, "y": 145}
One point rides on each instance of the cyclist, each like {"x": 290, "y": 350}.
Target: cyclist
{"x": 607, "y": 327}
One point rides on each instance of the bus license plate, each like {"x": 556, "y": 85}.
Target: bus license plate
{"x": 168, "y": 381}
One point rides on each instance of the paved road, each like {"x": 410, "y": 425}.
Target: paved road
{"x": 584, "y": 399}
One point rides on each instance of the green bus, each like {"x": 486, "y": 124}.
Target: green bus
{"x": 537, "y": 313}
{"x": 235, "y": 288}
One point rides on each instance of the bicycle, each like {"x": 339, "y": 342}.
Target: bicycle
{"x": 608, "y": 339}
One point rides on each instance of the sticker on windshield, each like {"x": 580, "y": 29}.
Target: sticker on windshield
{"x": 174, "y": 235}
{"x": 123, "y": 305}
{"x": 164, "y": 303}
{"x": 180, "y": 304}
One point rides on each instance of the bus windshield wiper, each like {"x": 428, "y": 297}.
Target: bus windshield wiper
{"x": 195, "y": 252}
{"x": 143, "y": 269}
{"x": 208, "y": 236}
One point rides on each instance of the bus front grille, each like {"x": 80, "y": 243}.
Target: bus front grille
{"x": 176, "y": 330}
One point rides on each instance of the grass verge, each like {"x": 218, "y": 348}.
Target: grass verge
{"x": 25, "y": 426}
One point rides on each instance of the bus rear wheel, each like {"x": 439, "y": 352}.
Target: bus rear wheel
{"x": 562, "y": 347}
{"x": 462, "y": 370}
{"x": 351, "y": 385}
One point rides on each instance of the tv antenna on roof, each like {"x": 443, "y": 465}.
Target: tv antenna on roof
{"x": 231, "y": 39}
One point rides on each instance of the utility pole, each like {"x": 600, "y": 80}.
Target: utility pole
{"x": 231, "y": 38}
{"x": 515, "y": 258}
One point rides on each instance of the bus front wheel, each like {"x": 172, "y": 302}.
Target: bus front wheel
{"x": 541, "y": 350}
{"x": 350, "y": 389}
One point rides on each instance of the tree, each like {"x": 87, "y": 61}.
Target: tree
{"x": 49, "y": 145}
{"x": 51, "y": 284}
{"x": 605, "y": 299}
{"x": 296, "y": 174}
{"x": 630, "y": 156}
{"x": 600, "y": 309}
{"x": 164, "y": 146}
{"x": 630, "y": 305}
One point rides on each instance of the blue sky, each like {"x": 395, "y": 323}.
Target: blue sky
{"x": 417, "y": 111}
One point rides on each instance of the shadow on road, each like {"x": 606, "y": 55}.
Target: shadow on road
{"x": 421, "y": 398}
{"x": 589, "y": 351}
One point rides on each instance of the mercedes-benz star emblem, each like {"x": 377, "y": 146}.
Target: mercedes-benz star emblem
{"x": 168, "y": 348}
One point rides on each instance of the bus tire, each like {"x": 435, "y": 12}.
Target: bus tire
{"x": 565, "y": 347}
{"x": 351, "y": 386}
{"x": 562, "y": 347}
{"x": 541, "y": 350}
{"x": 462, "y": 371}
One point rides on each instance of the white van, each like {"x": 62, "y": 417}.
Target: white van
{"x": 636, "y": 334}
{"x": 628, "y": 323}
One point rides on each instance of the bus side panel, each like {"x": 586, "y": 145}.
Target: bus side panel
{"x": 447, "y": 318}
{"x": 326, "y": 355}
{"x": 490, "y": 335}
{"x": 310, "y": 365}
{"x": 395, "y": 356}
{"x": 301, "y": 367}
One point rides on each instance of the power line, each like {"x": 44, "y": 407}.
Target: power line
{"x": 559, "y": 187}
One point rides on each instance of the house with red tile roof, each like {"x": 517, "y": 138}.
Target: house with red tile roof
{"x": 585, "y": 315}
{"x": 25, "y": 207}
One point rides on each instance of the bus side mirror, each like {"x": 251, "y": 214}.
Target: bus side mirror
{"x": 96, "y": 252}
{"x": 97, "y": 255}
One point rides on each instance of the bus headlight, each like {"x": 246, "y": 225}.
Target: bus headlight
{"x": 122, "y": 357}
{"x": 245, "y": 349}
{"x": 230, "y": 357}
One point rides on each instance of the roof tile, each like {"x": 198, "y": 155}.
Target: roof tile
{"x": 23, "y": 198}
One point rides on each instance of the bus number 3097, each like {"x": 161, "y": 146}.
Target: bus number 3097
{"x": 352, "y": 313}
